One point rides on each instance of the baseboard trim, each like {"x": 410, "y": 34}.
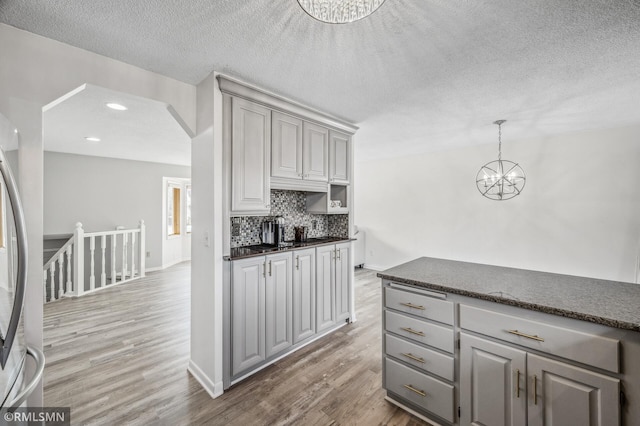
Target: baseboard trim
{"x": 213, "y": 389}
{"x": 376, "y": 268}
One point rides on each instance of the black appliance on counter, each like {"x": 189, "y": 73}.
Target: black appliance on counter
{"x": 273, "y": 231}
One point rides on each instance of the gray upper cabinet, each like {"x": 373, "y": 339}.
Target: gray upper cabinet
{"x": 250, "y": 157}
{"x": 304, "y": 297}
{"x": 278, "y": 311}
{"x": 286, "y": 146}
{"x": 248, "y": 313}
{"x": 315, "y": 152}
{"x": 339, "y": 157}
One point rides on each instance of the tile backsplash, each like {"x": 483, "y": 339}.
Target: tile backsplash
{"x": 291, "y": 205}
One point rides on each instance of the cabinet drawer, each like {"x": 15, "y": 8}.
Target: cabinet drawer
{"x": 420, "y": 331}
{"x": 419, "y": 356}
{"x": 590, "y": 349}
{"x": 424, "y": 391}
{"x": 417, "y": 304}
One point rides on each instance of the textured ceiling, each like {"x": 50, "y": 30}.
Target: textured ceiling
{"x": 146, "y": 131}
{"x": 415, "y": 76}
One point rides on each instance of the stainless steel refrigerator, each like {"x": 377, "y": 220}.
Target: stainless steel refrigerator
{"x": 14, "y": 388}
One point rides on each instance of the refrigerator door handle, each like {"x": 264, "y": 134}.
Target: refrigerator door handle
{"x": 38, "y": 357}
{"x": 21, "y": 275}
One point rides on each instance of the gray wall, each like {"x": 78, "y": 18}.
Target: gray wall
{"x": 103, "y": 193}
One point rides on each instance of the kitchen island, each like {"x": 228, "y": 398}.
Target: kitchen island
{"x": 467, "y": 343}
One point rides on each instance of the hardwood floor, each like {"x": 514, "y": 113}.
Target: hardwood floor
{"x": 120, "y": 357}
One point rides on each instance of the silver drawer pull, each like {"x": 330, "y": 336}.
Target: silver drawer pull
{"x": 418, "y": 391}
{"x": 412, "y": 331}
{"x": 528, "y": 336}
{"x": 413, "y": 357}
{"x": 411, "y": 305}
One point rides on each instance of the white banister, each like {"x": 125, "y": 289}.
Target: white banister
{"x": 78, "y": 260}
{"x": 52, "y": 280}
{"x": 143, "y": 253}
{"x": 124, "y": 257}
{"x": 114, "y": 242}
{"x": 61, "y": 289}
{"x": 103, "y": 248}
{"x": 92, "y": 257}
{"x": 74, "y": 270}
{"x": 69, "y": 285}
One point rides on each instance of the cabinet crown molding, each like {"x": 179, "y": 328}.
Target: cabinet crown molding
{"x": 247, "y": 91}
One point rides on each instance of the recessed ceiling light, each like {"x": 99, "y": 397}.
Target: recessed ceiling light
{"x": 92, "y": 139}
{"x": 116, "y": 106}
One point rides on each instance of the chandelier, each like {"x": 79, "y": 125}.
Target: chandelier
{"x": 500, "y": 179}
{"x": 339, "y": 11}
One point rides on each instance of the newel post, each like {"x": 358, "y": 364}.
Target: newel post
{"x": 143, "y": 253}
{"x": 78, "y": 260}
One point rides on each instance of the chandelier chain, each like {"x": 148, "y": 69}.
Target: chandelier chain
{"x": 499, "y": 141}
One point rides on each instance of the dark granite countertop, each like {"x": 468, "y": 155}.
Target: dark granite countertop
{"x": 263, "y": 249}
{"x": 611, "y": 303}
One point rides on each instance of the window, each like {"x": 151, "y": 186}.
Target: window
{"x": 173, "y": 209}
{"x": 188, "y": 214}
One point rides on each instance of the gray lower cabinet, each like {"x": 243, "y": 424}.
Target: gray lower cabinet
{"x": 333, "y": 284}
{"x": 278, "y": 306}
{"x": 304, "y": 294}
{"x": 248, "y": 314}
{"x": 261, "y": 312}
{"x": 419, "y": 363}
{"x": 502, "y": 385}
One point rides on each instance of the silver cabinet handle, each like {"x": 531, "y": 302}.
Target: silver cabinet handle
{"x": 418, "y": 391}
{"x": 517, "y": 383}
{"x": 264, "y": 269}
{"x": 38, "y": 357}
{"x": 297, "y": 262}
{"x": 338, "y": 253}
{"x": 528, "y": 336}
{"x": 269, "y": 268}
{"x": 411, "y": 305}
{"x": 21, "y": 276}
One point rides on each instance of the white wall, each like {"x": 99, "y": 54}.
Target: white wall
{"x": 33, "y": 72}
{"x": 579, "y": 213}
{"x": 206, "y": 252}
{"x": 103, "y": 193}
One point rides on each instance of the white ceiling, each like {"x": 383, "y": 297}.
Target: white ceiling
{"x": 415, "y": 76}
{"x": 146, "y": 131}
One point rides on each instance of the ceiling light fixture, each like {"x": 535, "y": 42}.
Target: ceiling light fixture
{"x": 116, "y": 106}
{"x": 339, "y": 11}
{"x": 500, "y": 179}
{"x": 92, "y": 139}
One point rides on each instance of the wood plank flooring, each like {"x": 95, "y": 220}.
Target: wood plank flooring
{"x": 119, "y": 357}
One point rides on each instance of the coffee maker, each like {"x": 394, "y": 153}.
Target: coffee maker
{"x": 273, "y": 231}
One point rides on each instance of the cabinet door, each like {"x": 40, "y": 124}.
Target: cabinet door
{"x": 304, "y": 298}
{"x": 325, "y": 291}
{"x": 247, "y": 313}
{"x": 343, "y": 280}
{"x": 315, "y": 153}
{"x": 570, "y": 396}
{"x": 250, "y": 157}
{"x": 492, "y": 383}
{"x": 286, "y": 146}
{"x": 278, "y": 303}
{"x": 339, "y": 154}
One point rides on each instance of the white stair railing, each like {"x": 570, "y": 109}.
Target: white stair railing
{"x": 62, "y": 278}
